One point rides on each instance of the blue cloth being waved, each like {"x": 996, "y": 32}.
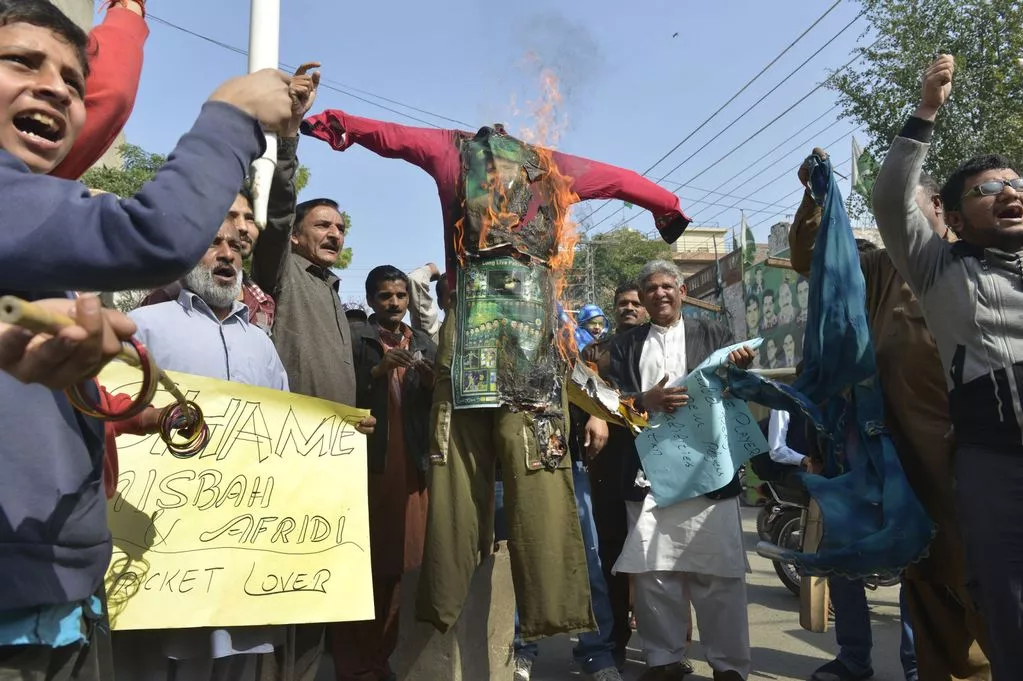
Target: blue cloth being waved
{"x": 873, "y": 522}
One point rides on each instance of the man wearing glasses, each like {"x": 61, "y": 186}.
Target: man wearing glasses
{"x": 972, "y": 296}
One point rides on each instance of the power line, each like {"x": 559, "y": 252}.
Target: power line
{"x": 730, "y": 180}
{"x": 791, "y": 194}
{"x": 735, "y": 96}
{"x": 752, "y": 193}
{"x": 776, "y": 118}
{"x": 787, "y": 171}
{"x": 801, "y": 145}
{"x": 757, "y": 103}
{"x": 341, "y": 88}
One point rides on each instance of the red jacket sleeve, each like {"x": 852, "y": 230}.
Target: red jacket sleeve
{"x": 115, "y": 69}
{"x": 431, "y": 149}
{"x": 595, "y": 180}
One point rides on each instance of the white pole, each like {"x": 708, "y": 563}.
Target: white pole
{"x": 264, "y": 53}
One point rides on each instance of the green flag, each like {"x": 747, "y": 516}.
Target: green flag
{"x": 628, "y": 205}
{"x": 864, "y": 170}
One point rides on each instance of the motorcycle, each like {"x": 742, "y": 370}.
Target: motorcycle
{"x": 780, "y": 527}
{"x": 780, "y": 523}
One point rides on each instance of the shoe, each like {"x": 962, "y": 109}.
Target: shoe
{"x": 687, "y": 665}
{"x": 668, "y": 672}
{"x": 607, "y": 674}
{"x": 837, "y": 671}
{"x": 728, "y": 675}
{"x": 523, "y": 668}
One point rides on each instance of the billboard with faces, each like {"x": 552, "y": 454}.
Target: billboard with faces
{"x": 776, "y": 302}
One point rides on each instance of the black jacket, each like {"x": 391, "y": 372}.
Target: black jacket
{"x": 702, "y": 339}
{"x": 372, "y": 394}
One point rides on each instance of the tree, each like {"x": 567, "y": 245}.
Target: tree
{"x": 137, "y": 167}
{"x": 985, "y": 112}
{"x": 618, "y": 256}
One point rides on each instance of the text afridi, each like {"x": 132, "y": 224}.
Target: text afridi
{"x": 268, "y": 525}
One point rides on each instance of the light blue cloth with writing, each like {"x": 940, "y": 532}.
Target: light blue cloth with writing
{"x": 699, "y": 448}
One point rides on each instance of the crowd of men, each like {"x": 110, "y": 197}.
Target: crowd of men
{"x": 943, "y": 302}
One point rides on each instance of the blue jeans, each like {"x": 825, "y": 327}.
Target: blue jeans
{"x": 594, "y": 650}
{"x": 852, "y": 628}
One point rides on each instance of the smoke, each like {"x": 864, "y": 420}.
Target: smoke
{"x": 550, "y": 40}
{"x": 541, "y": 44}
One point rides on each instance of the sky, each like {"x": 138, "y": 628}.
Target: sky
{"x": 632, "y": 90}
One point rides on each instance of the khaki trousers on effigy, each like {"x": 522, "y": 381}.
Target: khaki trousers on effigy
{"x": 544, "y": 540}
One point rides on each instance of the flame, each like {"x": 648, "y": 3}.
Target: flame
{"x": 556, "y": 188}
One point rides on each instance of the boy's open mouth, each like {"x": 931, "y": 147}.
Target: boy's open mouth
{"x": 40, "y": 125}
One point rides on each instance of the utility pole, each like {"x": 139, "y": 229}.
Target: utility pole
{"x": 591, "y": 273}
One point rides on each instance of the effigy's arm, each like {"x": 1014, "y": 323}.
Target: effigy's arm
{"x": 596, "y": 180}
{"x": 426, "y": 148}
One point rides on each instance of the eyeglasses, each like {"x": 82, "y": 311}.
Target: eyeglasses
{"x": 993, "y": 187}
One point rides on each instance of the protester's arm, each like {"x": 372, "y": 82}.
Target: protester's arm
{"x": 423, "y": 147}
{"x": 115, "y": 68}
{"x": 595, "y": 180}
{"x": 274, "y": 244}
{"x": 777, "y": 431}
{"x": 57, "y": 236}
{"x": 917, "y": 252}
{"x": 803, "y": 234}
{"x": 424, "y": 312}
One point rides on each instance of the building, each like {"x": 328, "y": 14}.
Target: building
{"x": 699, "y": 247}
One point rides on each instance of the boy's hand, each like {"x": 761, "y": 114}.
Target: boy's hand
{"x": 75, "y": 354}
{"x": 265, "y": 95}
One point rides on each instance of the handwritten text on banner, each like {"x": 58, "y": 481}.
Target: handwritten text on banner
{"x": 699, "y": 448}
{"x": 268, "y": 525}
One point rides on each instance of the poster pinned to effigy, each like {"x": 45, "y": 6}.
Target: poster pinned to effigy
{"x": 699, "y": 448}
{"x": 267, "y": 525}
{"x": 504, "y": 348}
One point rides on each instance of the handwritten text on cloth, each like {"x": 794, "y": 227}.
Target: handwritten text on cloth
{"x": 699, "y": 448}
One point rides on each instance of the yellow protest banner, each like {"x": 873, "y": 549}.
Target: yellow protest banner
{"x": 268, "y": 525}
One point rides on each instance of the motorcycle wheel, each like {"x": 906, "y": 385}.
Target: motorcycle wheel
{"x": 787, "y": 535}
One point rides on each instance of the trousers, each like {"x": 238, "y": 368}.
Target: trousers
{"x": 595, "y": 649}
{"x": 948, "y": 630}
{"x": 362, "y": 650}
{"x": 989, "y": 497}
{"x": 663, "y": 616}
{"x": 611, "y": 519}
{"x": 545, "y": 544}
{"x": 853, "y": 633}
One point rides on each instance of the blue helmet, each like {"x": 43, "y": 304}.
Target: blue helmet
{"x": 583, "y": 336}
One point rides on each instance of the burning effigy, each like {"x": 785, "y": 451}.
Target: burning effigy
{"x": 504, "y": 360}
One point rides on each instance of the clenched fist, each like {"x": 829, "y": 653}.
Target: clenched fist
{"x": 937, "y": 85}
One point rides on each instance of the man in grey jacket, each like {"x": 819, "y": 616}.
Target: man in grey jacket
{"x": 972, "y": 296}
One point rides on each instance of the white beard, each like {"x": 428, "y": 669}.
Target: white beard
{"x": 218, "y": 296}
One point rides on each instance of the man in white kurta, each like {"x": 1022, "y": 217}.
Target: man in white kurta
{"x": 692, "y": 551}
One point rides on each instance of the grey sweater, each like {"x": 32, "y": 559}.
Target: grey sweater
{"x": 310, "y": 331}
{"x": 972, "y": 299}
